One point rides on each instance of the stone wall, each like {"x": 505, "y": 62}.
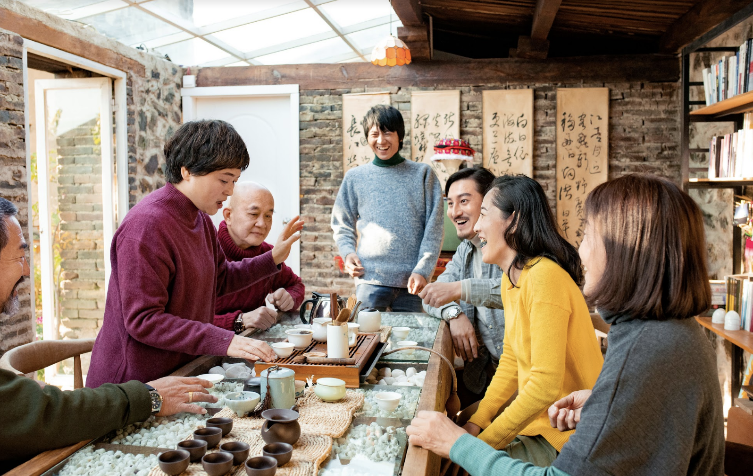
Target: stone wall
{"x": 644, "y": 136}
{"x": 16, "y": 329}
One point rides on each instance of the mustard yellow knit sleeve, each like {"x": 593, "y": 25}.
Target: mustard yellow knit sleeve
{"x": 542, "y": 385}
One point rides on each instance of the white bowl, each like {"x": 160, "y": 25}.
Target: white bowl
{"x": 407, "y": 343}
{"x": 400, "y": 333}
{"x": 300, "y": 338}
{"x": 330, "y": 389}
{"x": 242, "y": 402}
{"x": 283, "y": 349}
{"x": 214, "y": 378}
{"x": 388, "y": 401}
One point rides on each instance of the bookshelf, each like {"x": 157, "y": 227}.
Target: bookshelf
{"x": 734, "y": 105}
{"x": 742, "y": 339}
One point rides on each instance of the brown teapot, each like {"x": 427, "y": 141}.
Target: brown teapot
{"x": 280, "y": 426}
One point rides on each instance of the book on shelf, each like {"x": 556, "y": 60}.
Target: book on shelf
{"x": 729, "y": 76}
{"x": 731, "y": 155}
{"x": 739, "y": 298}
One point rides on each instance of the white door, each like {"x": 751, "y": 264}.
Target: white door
{"x": 267, "y": 120}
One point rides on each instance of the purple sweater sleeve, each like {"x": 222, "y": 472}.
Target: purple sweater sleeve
{"x": 144, "y": 304}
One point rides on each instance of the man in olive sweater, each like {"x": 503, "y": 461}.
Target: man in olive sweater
{"x": 36, "y": 417}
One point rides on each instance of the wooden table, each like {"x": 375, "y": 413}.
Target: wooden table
{"x": 418, "y": 462}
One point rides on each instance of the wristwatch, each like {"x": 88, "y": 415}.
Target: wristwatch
{"x": 453, "y": 313}
{"x": 156, "y": 399}
{"x": 238, "y": 325}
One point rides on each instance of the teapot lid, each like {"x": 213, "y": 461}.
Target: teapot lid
{"x": 369, "y": 309}
{"x": 279, "y": 372}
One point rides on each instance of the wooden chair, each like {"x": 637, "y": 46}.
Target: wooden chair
{"x": 37, "y": 355}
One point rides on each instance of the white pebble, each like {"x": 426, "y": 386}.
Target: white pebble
{"x": 397, "y": 373}
{"x": 410, "y": 372}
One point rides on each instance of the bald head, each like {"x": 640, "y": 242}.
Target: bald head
{"x": 248, "y": 215}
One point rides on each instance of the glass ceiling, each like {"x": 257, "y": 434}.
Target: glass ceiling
{"x": 238, "y": 32}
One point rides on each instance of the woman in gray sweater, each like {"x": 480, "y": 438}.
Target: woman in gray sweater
{"x": 656, "y": 407}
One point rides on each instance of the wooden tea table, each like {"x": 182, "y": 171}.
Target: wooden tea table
{"x": 415, "y": 461}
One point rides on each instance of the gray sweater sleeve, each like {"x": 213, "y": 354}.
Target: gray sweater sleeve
{"x": 453, "y": 272}
{"x": 431, "y": 243}
{"x": 344, "y": 217}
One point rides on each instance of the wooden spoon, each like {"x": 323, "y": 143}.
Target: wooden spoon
{"x": 343, "y": 316}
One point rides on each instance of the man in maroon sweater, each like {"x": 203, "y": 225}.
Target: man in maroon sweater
{"x": 248, "y": 221}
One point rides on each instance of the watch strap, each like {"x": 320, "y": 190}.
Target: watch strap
{"x": 238, "y": 325}
{"x": 156, "y": 399}
{"x": 451, "y": 312}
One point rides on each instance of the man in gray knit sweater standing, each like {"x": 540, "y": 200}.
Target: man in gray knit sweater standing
{"x": 387, "y": 219}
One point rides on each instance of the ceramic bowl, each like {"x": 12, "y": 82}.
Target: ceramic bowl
{"x": 225, "y": 424}
{"x": 195, "y": 448}
{"x": 388, "y": 401}
{"x": 406, "y": 343}
{"x": 217, "y": 464}
{"x": 300, "y": 338}
{"x": 400, "y": 333}
{"x": 238, "y": 449}
{"x": 174, "y": 461}
{"x": 211, "y": 435}
{"x": 261, "y": 466}
{"x": 214, "y": 378}
{"x": 283, "y": 349}
{"x": 330, "y": 389}
{"x": 242, "y": 402}
{"x": 282, "y": 452}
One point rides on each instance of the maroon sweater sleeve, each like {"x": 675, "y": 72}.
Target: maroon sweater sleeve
{"x": 144, "y": 297}
{"x": 227, "y": 320}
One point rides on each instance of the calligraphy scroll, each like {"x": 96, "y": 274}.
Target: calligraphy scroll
{"x": 508, "y": 131}
{"x": 356, "y": 150}
{"x": 582, "y": 154}
{"x": 435, "y": 115}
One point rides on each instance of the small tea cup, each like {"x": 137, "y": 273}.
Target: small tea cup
{"x": 174, "y": 461}
{"x": 238, "y": 449}
{"x": 211, "y": 435}
{"x": 282, "y": 452}
{"x": 225, "y": 424}
{"x": 388, "y": 401}
{"x": 196, "y": 448}
{"x": 283, "y": 349}
{"x": 330, "y": 389}
{"x": 217, "y": 464}
{"x": 407, "y": 343}
{"x": 300, "y": 338}
{"x": 261, "y": 466}
{"x": 400, "y": 333}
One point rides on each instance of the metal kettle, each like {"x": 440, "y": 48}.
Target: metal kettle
{"x": 319, "y": 307}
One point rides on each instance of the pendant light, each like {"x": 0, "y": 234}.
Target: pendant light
{"x": 390, "y": 51}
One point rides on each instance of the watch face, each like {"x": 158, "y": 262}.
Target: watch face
{"x": 156, "y": 401}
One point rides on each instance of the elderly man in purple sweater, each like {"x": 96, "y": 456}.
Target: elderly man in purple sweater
{"x": 168, "y": 267}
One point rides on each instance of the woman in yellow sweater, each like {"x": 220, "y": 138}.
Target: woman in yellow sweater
{"x": 550, "y": 348}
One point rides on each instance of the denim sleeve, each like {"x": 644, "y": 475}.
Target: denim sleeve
{"x": 480, "y": 459}
{"x": 482, "y": 292}
{"x": 453, "y": 273}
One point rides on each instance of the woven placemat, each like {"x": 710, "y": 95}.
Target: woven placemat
{"x": 308, "y": 453}
{"x": 317, "y": 417}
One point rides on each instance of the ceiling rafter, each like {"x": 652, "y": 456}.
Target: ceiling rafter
{"x": 336, "y": 28}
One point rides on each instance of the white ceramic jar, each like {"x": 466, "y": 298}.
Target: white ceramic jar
{"x": 337, "y": 341}
{"x": 370, "y": 320}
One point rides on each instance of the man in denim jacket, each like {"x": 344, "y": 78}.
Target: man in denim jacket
{"x": 467, "y": 293}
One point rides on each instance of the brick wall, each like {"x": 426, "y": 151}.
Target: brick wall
{"x": 17, "y": 329}
{"x": 644, "y": 137}
{"x": 82, "y": 268}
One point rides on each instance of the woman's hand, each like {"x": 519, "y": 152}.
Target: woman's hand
{"x": 564, "y": 414}
{"x": 250, "y": 349}
{"x": 439, "y": 294}
{"x": 179, "y": 393}
{"x": 435, "y": 432}
{"x": 472, "y": 429}
{"x": 290, "y": 234}
{"x": 416, "y": 283}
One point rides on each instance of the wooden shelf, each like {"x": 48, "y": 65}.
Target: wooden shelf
{"x": 719, "y": 182}
{"x": 734, "y": 105}
{"x": 742, "y": 339}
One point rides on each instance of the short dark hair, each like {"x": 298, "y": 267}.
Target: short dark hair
{"x": 483, "y": 178}
{"x": 533, "y": 230}
{"x": 655, "y": 247}
{"x": 204, "y": 147}
{"x": 7, "y": 209}
{"x": 387, "y": 119}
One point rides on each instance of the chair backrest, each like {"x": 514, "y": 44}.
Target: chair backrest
{"x": 37, "y": 355}
{"x": 599, "y": 323}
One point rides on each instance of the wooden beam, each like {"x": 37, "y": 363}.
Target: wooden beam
{"x": 543, "y": 18}
{"x": 589, "y": 69}
{"x": 701, "y": 18}
{"x": 40, "y": 32}
{"x": 408, "y": 11}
